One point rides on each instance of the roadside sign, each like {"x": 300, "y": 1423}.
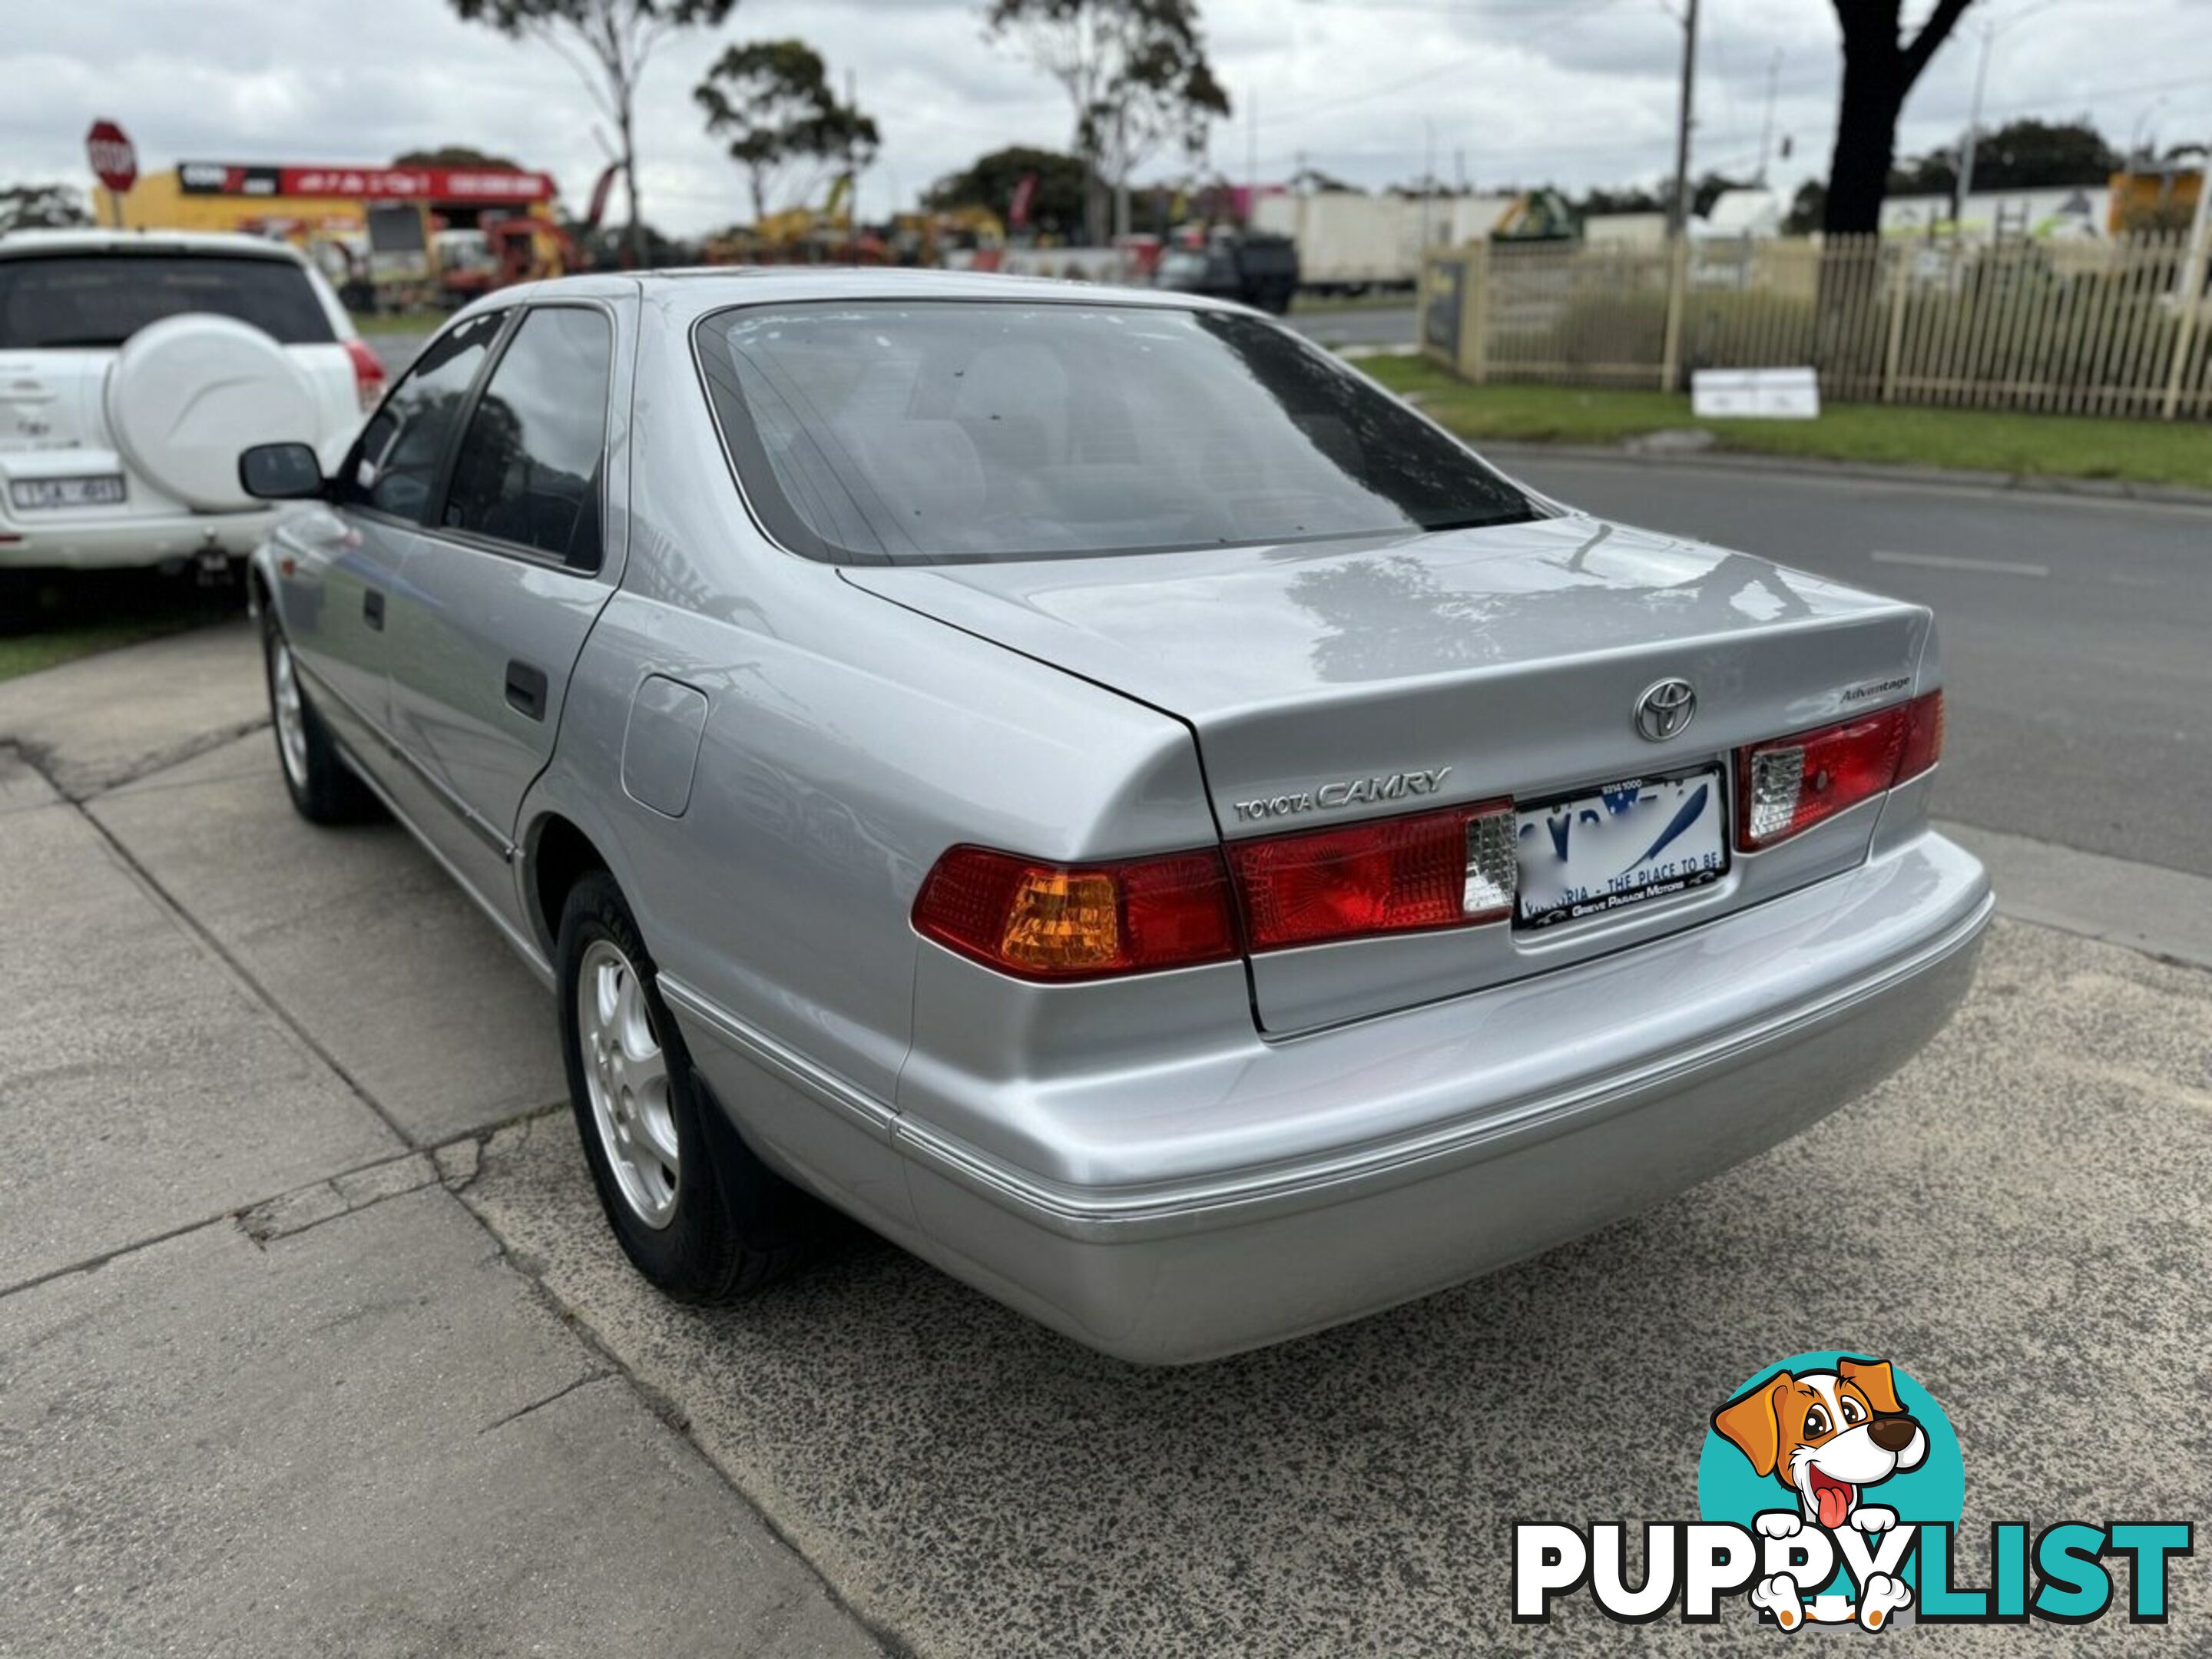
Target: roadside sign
{"x": 1769, "y": 394}
{"x": 113, "y": 160}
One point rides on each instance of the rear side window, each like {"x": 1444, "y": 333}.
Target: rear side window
{"x": 528, "y": 469}
{"x": 94, "y": 300}
{"x": 396, "y": 462}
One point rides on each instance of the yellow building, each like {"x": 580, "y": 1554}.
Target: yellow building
{"x": 301, "y": 199}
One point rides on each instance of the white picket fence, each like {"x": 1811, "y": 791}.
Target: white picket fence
{"x": 2120, "y": 328}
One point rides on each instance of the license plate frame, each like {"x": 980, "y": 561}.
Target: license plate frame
{"x": 57, "y": 494}
{"x": 1534, "y": 820}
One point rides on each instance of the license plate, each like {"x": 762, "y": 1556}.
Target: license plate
{"x": 1623, "y": 844}
{"x": 104, "y": 489}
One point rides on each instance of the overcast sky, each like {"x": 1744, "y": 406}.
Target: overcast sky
{"x": 1578, "y": 92}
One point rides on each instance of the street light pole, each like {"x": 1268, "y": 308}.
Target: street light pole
{"x": 1990, "y": 33}
{"x": 1428, "y": 178}
{"x": 1766, "y": 126}
{"x": 1966, "y": 182}
{"x": 2136, "y": 132}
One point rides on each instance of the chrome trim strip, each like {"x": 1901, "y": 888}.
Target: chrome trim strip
{"x": 1070, "y": 1209}
{"x": 785, "y": 1062}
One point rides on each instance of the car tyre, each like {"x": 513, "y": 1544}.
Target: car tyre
{"x": 323, "y": 788}
{"x": 694, "y": 1208}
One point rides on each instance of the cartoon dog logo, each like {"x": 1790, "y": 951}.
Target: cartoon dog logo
{"x": 1827, "y": 1436}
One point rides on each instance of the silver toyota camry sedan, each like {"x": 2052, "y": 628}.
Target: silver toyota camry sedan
{"x": 1085, "y": 783}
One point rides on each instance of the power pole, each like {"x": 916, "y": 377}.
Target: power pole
{"x": 852, "y": 163}
{"x": 1120, "y": 172}
{"x": 1678, "y": 217}
{"x": 1252, "y": 158}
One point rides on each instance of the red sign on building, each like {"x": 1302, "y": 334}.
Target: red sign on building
{"x": 470, "y": 186}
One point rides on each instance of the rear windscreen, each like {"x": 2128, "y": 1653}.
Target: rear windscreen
{"x": 102, "y": 300}
{"x": 911, "y": 432}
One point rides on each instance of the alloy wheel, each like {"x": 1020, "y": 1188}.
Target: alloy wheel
{"x": 626, "y": 1075}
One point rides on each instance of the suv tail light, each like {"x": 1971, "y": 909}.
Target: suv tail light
{"x": 1790, "y": 783}
{"x": 367, "y": 374}
{"x": 1057, "y": 921}
{"x": 1446, "y": 869}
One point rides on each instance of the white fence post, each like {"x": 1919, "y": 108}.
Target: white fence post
{"x": 1678, "y": 280}
{"x": 1475, "y": 319}
{"x": 1895, "y": 342}
{"x": 2192, "y": 294}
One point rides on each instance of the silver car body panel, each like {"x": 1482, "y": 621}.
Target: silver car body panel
{"x": 1175, "y": 1164}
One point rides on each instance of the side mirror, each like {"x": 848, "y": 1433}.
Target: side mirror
{"x": 280, "y": 472}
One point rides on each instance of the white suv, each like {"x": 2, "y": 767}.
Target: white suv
{"x": 134, "y": 366}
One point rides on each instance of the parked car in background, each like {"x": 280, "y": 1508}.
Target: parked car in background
{"x": 1091, "y": 786}
{"x": 1252, "y": 269}
{"x": 133, "y": 368}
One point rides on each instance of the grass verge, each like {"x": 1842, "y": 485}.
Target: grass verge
{"x": 2048, "y": 446}
{"x": 1380, "y": 299}
{"x": 399, "y": 322}
{"x": 55, "y": 619}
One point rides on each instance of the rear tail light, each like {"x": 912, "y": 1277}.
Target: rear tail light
{"x": 1924, "y": 736}
{"x": 1059, "y": 921}
{"x": 1394, "y": 875}
{"x": 1792, "y": 783}
{"x": 367, "y": 374}
{"x": 1055, "y": 921}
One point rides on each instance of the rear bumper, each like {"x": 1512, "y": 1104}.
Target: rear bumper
{"x": 60, "y": 543}
{"x": 1713, "y": 1045}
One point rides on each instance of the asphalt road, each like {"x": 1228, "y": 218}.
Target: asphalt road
{"x": 1391, "y": 325}
{"x": 2077, "y": 633}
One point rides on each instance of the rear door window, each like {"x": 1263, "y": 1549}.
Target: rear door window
{"x": 395, "y": 463}
{"x": 528, "y": 470}
{"x": 52, "y": 303}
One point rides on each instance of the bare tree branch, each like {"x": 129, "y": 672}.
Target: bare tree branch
{"x": 1933, "y": 33}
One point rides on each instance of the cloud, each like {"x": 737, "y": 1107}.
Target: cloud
{"x": 1578, "y": 92}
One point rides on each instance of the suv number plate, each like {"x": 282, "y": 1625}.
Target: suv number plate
{"x": 102, "y": 489}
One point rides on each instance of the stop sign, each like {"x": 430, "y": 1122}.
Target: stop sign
{"x": 111, "y": 157}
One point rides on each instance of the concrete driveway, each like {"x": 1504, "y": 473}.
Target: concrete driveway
{"x": 312, "y": 1337}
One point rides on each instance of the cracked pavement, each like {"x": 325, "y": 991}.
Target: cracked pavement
{"x": 312, "y": 1337}
{"x": 267, "y": 1385}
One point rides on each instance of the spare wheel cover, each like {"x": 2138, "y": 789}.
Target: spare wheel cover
{"x": 187, "y": 393}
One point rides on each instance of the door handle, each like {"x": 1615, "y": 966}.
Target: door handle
{"x": 525, "y": 689}
{"x": 371, "y": 608}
